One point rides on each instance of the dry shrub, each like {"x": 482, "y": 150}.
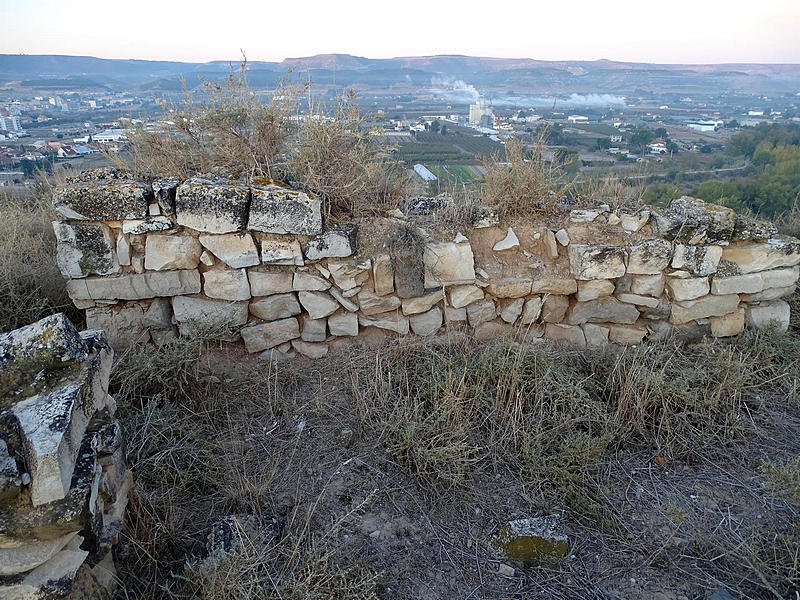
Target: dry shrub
{"x": 31, "y": 285}
{"x": 615, "y": 190}
{"x": 526, "y": 183}
{"x": 340, "y": 161}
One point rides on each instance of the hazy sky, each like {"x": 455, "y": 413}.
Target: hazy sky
{"x": 631, "y": 30}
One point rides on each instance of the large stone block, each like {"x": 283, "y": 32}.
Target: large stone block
{"x": 103, "y": 200}
{"x": 268, "y": 335}
{"x": 481, "y": 312}
{"x": 372, "y": 304}
{"x": 728, "y": 325}
{"x": 769, "y": 314}
{"x": 603, "y": 310}
{"x": 692, "y": 221}
{"x": 777, "y": 252}
{"x": 266, "y": 284}
{"x": 281, "y": 252}
{"x": 279, "y": 306}
{"x": 136, "y": 286}
{"x": 279, "y": 209}
{"x": 318, "y": 304}
{"x": 650, "y": 257}
{"x": 212, "y": 204}
{"x": 448, "y": 263}
{"x": 596, "y": 262}
{"x": 306, "y": 282}
{"x": 554, "y": 308}
{"x": 383, "y": 275}
{"x": 464, "y": 295}
{"x": 343, "y": 324}
{"x": 226, "y": 284}
{"x": 124, "y": 325}
{"x": 170, "y": 252}
{"x": 687, "y": 289}
{"x": 702, "y": 308}
{"x": 648, "y": 285}
{"x": 389, "y": 321}
{"x": 235, "y": 250}
{"x": 208, "y": 314}
{"x": 531, "y": 311}
{"x": 85, "y": 249}
{"x": 336, "y": 242}
{"x": 699, "y": 260}
{"x": 626, "y": 335}
{"x": 426, "y": 323}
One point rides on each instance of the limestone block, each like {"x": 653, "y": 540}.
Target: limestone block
{"x": 531, "y": 310}
{"x": 171, "y": 252}
{"x": 464, "y": 295}
{"x": 550, "y": 245}
{"x": 341, "y": 299}
{"x": 52, "y": 579}
{"x": 29, "y": 555}
{"x": 164, "y": 190}
{"x": 746, "y": 229}
{"x": 413, "y": 306}
{"x": 596, "y": 335}
{"x": 596, "y": 262}
{"x": 554, "y": 308}
{"x": 455, "y": 315}
{"x": 493, "y": 331}
{"x": 205, "y": 313}
{"x": 313, "y": 330}
{"x": 337, "y": 242}
{"x": 510, "y": 310}
{"x": 699, "y": 260}
{"x": 309, "y": 349}
{"x": 343, "y": 324}
{"x": 702, "y": 308}
{"x": 350, "y": 274}
{"x": 562, "y": 237}
{"x": 212, "y": 204}
{"x": 626, "y": 335}
{"x": 306, "y": 282}
{"x": 426, "y": 323}
{"x": 448, "y": 263}
{"x": 638, "y": 300}
{"x": 777, "y": 278}
{"x": 692, "y": 221}
{"x": 123, "y": 250}
{"x": 264, "y": 336}
{"x": 107, "y": 200}
{"x": 650, "y": 257}
{"x": 372, "y": 304}
{"x": 389, "y": 321}
{"x": 769, "y": 294}
{"x": 85, "y": 249}
{"x": 568, "y": 334}
{"x": 409, "y": 272}
{"x": 226, "y": 284}
{"x": 510, "y": 288}
{"x": 687, "y": 289}
{"x": 583, "y": 216}
{"x": 591, "y": 289}
{"x": 383, "y": 275}
{"x": 749, "y": 283}
{"x": 266, "y": 284}
{"x": 281, "y": 252}
{"x": 481, "y": 312}
{"x": 318, "y": 304}
{"x": 603, "y": 310}
{"x": 124, "y": 326}
{"x": 235, "y": 250}
{"x": 279, "y": 209}
{"x": 728, "y": 325}
{"x": 777, "y": 252}
{"x": 508, "y": 242}
{"x": 149, "y": 225}
{"x": 647, "y": 285}
{"x": 278, "y": 306}
{"x": 633, "y": 223}
{"x": 554, "y": 285}
{"x": 775, "y": 313}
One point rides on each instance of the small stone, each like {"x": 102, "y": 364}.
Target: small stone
{"x": 510, "y": 241}
{"x": 511, "y": 310}
{"x": 310, "y": 350}
{"x": 562, "y": 237}
{"x": 550, "y": 245}
{"x": 305, "y": 282}
{"x": 583, "y": 216}
{"x": 337, "y": 242}
{"x": 279, "y": 252}
{"x": 531, "y": 540}
{"x": 464, "y": 295}
{"x": 506, "y": 570}
{"x": 341, "y": 299}
{"x": 481, "y": 312}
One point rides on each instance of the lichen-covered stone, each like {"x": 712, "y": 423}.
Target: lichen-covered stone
{"x": 149, "y": 225}
{"x": 699, "y": 260}
{"x": 650, "y": 257}
{"x": 276, "y": 208}
{"x": 281, "y": 252}
{"x": 164, "y": 190}
{"x": 747, "y": 229}
{"x": 692, "y": 221}
{"x": 85, "y": 249}
{"x": 212, "y": 204}
{"x": 338, "y": 242}
{"x": 103, "y": 200}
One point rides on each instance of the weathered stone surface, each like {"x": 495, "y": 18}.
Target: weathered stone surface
{"x": 638, "y": 300}
{"x": 110, "y": 200}
{"x": 777, "y": 252}
{"x": 27, "y": 556}
{"x": 279, "y": 306}
{"x": 123, "y": 250}
{"x": 633, "y": 223}
{"x": 626, "y": 335}
{"x": 509, "y": 288}
{"x": 647, "y": 285}
{"x": 510, "y": 310}
{"x": 707, "y": 306}
{"x": 281, "y": 252}
{"x": 164, "y": 190}
{"x": 769, "y": 294}
{"x": 318, "y": 304}
{"x": 583, "y": 216}
{"x": 508, "y": 242}
{"x": 603, "y": 310}
{"x": 226, "y": 284}
{"x": 455, "y": 315}
{"x": 235, "y": 250}
{"x": 596, "y": 335}
{"x": 313, "y": 330}
{"x": 531, "y": 310}
{"x": 350, "y": 274}
{"x": 149, "y": 225}
{"x": 747, "y": 228}
{"x": 692, "y": 221}
{"x": 371, "y": 304}
{"x": 592, "y": 289}
{"x": 596, "y": 262}
{"x": 550, "y": 245}
{"x": 170, "y": 252}
{"x": 389, "y": 321}
{"x": 268, "y": 335}
{"x": 10, "y": 481}
{"x": 775, "y": 313}
{"x": 728, "y": 325}
{"x": 493, "y": 331}
{"x": 308, "y": 349}
{"x": 570, "y": 334}
{"x": 553, "y": 285}
{"x": 336, "y": 242}
{"x": 341, "y": 299}
{"x": 413, "y": 306}
{"x": 481, "y": 312}
{"x": 383, "y": 275}
{"x": 343, "y": 324}
{"x": 532, "y": 539}
{"x": 749, "y": 283}
{"x": 426, "y": 323}
{"x": 52, "y": 579}
{"x": 306, "y": 282}
{"x": 279, "y": 209}
{"x": 266, "y": 284}
{"x": 85, "y": 249}
{"x": 464, "y": 295}
{"x": 409, "y": 271}
{"x": 554, "y": 308}
{"x": 448, "y": 263}
{"x": 650, "y": 257}
{"x": 212, "y": 204}
{"x": 124, "y": 325}
{"x": 562, "y": 237}
{"x": 699, "y": 260}
{"x": 201, "y": 312}
{"x": 687, "y": 289}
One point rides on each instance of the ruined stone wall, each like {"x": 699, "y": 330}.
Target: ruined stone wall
{"x": 148, "y": 261}
{"x": 63, "y": 480}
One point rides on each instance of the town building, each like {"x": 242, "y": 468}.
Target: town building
{"x": 478, "y": 110}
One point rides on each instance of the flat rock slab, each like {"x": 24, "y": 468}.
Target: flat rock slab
{"x": 596, "y": 262}
{"x": 212, "y": 205}
{"x": 104, "y": 200}
{"x": 777, "y": 252}
{"x": 276, "y": 208}
{"x": 338, "y": 242}
{"x": 692, "y": 221}
{"x": 85, "y": 249}
{"x": 448, "y": 263}
{"x": 209, "y": 313}
{"x": 268, "y": 335}
{"x": 136, "y": 286}
{"x": 235, "y": 250}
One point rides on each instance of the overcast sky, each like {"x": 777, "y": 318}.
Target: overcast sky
{"x": 696, "y": 31}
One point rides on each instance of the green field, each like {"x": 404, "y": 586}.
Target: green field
{"x": 601, "y": 128}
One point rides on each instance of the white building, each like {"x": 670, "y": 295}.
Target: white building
{"x": 423, "y": 172}
{"x": 577, "y": 119}
{"x": 478, "y": 110}
{"x": 702, "y": 126}
{"x": 109, "y": 136}
{"x": 10, "y": 123}
{"x": 615, "y": 139}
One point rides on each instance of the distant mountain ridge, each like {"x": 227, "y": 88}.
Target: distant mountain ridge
{"x": 519, "y": 74}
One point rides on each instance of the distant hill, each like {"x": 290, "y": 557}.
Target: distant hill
{"x": 501, "y": 74}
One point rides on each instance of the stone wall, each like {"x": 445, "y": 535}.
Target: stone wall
{"x": 148, "y": 261}
{"x": 63, "y": 480}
